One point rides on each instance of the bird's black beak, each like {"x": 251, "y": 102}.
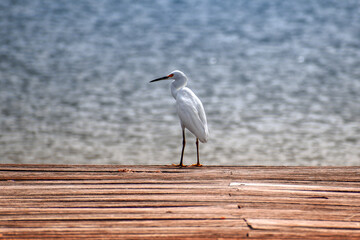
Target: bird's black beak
{"x": 158, "y": 79}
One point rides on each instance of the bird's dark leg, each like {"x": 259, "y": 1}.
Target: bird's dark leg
{"x": 182, "y": 152}
{"x": 197, "y": 151}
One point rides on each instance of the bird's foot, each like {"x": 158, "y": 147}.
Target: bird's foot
{"x": 179, "y": 165}
{"x": 197, "y": 165}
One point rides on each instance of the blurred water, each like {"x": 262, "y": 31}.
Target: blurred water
{"x": 280, "y": 81}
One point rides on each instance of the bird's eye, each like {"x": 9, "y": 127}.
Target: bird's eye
{"x": 171, "y": 75}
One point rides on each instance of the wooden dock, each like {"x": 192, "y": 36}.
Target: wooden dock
{"x": 162, "y": 202}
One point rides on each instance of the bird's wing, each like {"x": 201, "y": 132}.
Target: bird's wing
{"x": 201, "y": 111}
{"x": 192, "y": 114}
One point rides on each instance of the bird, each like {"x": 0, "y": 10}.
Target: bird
{"x": 190, "y": 111}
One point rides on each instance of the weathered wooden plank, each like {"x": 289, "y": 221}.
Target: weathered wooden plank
{"x": 345, "y": 174}
{"x": 198, "y": 186}
{"x": 303, "y": 233}
{"x": 211, "y": 223}
{"x": 179, "y": 232}
{"x": 291, "y": 223}
{"x": 187, "y": 193}
{"x": 221, "y": 199}
{"x": 171, "y": 212}
{"x": 132, "y": 202}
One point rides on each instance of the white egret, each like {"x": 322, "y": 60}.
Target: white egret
{"x": 189, "y": 109}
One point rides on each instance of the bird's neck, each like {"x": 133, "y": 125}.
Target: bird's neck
{"x": 177, "y": 85}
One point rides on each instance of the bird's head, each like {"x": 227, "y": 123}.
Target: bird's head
{"x": 174, "y": 75}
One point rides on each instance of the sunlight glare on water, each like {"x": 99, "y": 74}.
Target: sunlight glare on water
{"x": 279, "y": 80}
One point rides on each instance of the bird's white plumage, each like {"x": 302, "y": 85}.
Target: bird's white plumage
{"x": 191, "y": 113}
{"x": 189, "y": 109}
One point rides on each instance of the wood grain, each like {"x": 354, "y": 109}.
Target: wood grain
{"x": 146, "y": 202}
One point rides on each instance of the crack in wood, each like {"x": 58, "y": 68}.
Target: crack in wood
{"x": 248, "y": 224}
